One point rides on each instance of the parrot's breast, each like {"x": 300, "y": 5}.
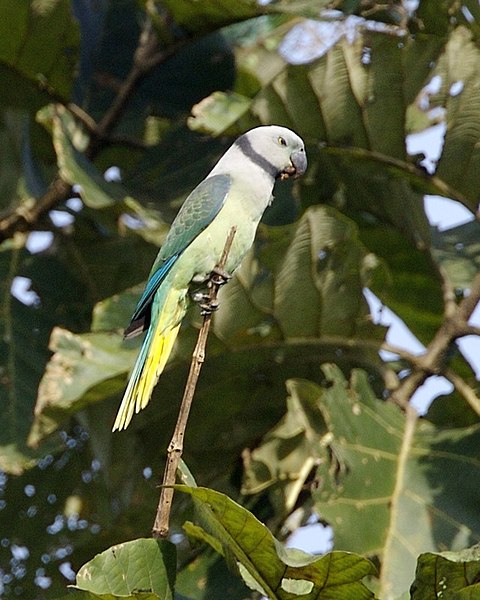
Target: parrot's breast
{"x": 204, "y": 253}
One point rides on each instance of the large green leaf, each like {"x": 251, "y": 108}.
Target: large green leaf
{"x": 83, "y": 360}
{"x": 143, "y": 565}
{"x": 452, "y": 575}
{"x": 39, "y": 43}
{"x": 391, "y": 487}
{"x": 265, "y": 564}
{"x": 288, "y": 453}
{"x": 459, "y": 71}
{"x": 303, "y": 269}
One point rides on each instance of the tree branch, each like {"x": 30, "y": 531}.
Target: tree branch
{"x": 23, "y": 218}
{"x": 175, "y": 448}
{"x": 464, "y": 390}
{"x": 147, "y": 56}
{"x": 455, "y": 325}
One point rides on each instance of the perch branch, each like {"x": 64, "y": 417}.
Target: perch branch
{"x": 175, "y": 448}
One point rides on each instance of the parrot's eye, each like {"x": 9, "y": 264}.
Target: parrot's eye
{"x": 282, "y": 141}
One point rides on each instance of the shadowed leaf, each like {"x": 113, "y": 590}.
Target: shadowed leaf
{"x": 447, "y": 575}
{"x": 39, "y": 42}
{"x": 391, "y": 486}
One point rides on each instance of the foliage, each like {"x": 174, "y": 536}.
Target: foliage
{"x": 158, "y": 90}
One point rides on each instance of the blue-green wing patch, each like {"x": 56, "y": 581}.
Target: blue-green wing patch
{"x": 197, "y": 212}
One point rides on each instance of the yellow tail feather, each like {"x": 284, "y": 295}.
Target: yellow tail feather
{"x": 156, "y": 349}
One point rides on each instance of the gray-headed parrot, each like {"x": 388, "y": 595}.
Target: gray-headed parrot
{"x": 235, "y": 193}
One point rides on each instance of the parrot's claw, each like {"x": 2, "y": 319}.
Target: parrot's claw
{"x": 207, "y": 305}
{"x": 199, "y": 297}
{"x": 219, "y": 277}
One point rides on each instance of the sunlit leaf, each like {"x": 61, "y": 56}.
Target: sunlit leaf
{"x": 143, "y": 565}
{"x": 275, "y": 570}
{"x": 216, "y": 113}
{"x": 84, "y": 369}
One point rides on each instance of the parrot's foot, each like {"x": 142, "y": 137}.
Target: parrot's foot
{"x": 219, "y": 277}
{"x": 207, "y": 305}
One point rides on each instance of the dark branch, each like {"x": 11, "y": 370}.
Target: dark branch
{"x": 147, "y": 56}
{"x": 433, "y": 361}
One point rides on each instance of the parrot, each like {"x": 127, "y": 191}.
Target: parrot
{"x": 235, "y": 193}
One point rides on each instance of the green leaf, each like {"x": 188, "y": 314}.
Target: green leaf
{"x": 288, "y": 453}
{"x": 73, "y": 166}
{"x": 449, "y": 575}
{"x": 217, "y": 112}
{"x": 83, "y": 370}
{"x": 268, "y": 566}
{"x": 301, "y": 269}
{"x": 211, "y": 14}
{"x": 143, "y": 565}
{"x": 391, "y": 487}
{"x": 39, "y": 41}
{"x": 460, "y": 65}
{"x": 457, "y": 251}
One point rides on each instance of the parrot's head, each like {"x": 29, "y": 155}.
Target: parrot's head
{"x": 280, "y": 151}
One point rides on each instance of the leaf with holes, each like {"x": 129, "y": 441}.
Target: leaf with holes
{"x": 391, "y": 487}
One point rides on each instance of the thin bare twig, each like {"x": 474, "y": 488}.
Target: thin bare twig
{"x": 175, "y": 448}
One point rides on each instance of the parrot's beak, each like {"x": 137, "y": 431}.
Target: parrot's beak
{"x": 298, "y": 165}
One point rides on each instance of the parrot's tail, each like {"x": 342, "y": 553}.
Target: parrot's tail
{"x": 153, "y": 356}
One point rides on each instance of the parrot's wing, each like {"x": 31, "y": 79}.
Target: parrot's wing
{"x": 197, "y": 212}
